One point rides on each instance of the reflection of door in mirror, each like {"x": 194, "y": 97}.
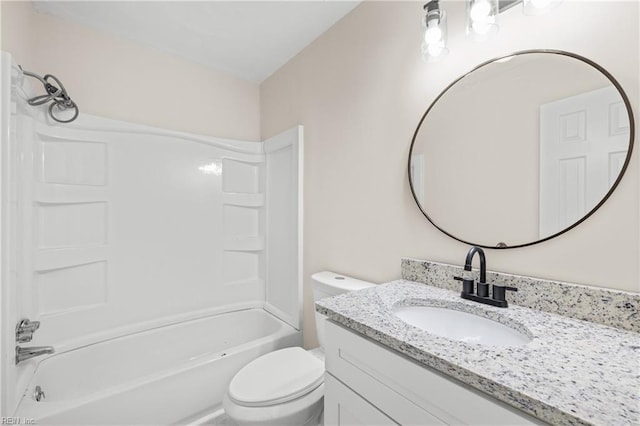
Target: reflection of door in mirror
{"x": 417, "y": 177}
{"x": 583, "y": 145}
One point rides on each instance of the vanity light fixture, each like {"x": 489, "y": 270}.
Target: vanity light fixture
{"x": 481, "y": 18}
{"x": 434, "y": 25}
{"x": 481, "y": 21}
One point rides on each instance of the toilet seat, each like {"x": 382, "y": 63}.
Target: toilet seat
{"x": 276, "y": 378}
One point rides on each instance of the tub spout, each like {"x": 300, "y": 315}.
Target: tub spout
{"x": 23, "y": 354}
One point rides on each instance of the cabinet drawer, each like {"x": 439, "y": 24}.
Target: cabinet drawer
{"x": 406, "y": 391}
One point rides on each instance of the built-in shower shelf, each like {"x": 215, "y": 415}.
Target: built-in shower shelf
{"x": 244, "y": 244}
{"x": 243, "y": 199}
{"x": 68, "y": 194}
{"x": 48, "y": 259}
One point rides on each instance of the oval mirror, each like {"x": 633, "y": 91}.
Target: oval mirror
{"x": 521, "y": 149}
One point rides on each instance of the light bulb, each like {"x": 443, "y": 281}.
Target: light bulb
{"x": 481, "y": 10}
{"x": 434, "y": 47}
{"x": 481, "y": 18}
{"x": 433, "y": 34}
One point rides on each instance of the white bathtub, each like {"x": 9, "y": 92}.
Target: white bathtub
{"x": 175, "y": 374}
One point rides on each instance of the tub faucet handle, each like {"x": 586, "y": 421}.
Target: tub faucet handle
{"x": 38, "y": 394}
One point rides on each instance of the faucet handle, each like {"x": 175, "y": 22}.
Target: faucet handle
{"x": 25, "y": 330}
{"x": 467, "y": 284}
{"x": 499, "y": 292}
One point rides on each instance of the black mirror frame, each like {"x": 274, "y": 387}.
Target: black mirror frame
{"x": 587, "y": 215}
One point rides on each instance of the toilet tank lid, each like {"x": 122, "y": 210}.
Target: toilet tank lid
{"x": 334, "y": 283}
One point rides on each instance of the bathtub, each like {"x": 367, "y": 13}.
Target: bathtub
{"x": 176, "y": 374}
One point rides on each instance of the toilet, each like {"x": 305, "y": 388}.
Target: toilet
{"x": 286, "y": 387}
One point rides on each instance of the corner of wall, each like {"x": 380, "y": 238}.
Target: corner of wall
{"x": 16, "y": 19}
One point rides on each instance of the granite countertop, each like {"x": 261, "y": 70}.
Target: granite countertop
{"x": 572, "y": 372}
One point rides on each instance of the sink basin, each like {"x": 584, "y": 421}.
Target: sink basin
{"x": 462, "y": 326}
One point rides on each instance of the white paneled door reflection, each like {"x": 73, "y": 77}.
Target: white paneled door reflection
{"x": 583, "y": 146}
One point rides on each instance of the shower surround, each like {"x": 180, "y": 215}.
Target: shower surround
{"x": 115, "y": 233}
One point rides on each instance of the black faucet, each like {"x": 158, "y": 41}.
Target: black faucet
{"x": 482, "y": 294}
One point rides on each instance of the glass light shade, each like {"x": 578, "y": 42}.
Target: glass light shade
{"x": 539, "y": 7}
{"x": 482, "y": 18}
{"x": 432, "y": 34}
{"x": 434, "y": 46}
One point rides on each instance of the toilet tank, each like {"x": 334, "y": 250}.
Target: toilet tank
{"x": 327, "y": 284}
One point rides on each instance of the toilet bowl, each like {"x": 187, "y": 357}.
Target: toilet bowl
{"x": 286, "y": 387}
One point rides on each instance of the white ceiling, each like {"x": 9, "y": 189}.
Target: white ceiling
{"x": 247, "y": 39}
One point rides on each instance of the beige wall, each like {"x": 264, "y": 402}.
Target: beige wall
{"x": 360, "y": 90}
{"x": 123, "y": 80}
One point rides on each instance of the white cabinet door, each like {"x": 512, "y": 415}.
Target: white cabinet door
{"x": 344, "y": 407}
{"x": 405, "y": 391}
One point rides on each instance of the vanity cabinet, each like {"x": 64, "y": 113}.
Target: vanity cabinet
{"x": 369, "y": 384}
